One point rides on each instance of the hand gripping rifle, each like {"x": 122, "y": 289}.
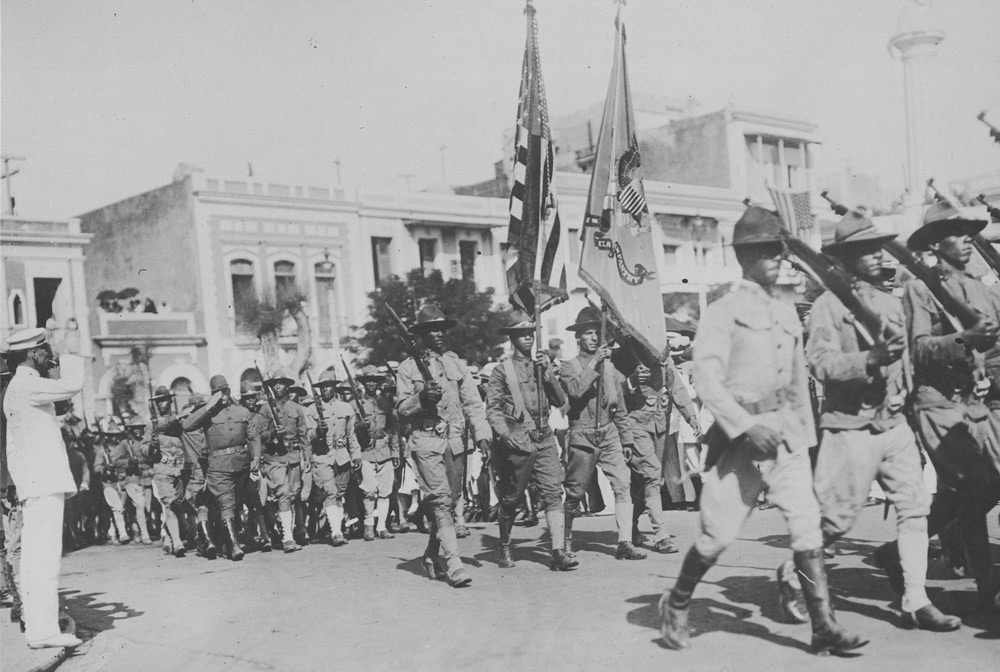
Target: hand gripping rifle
{"x": 961, "y": 315}
{"x": 994, "y": 211}
{"x": 361, "y": 431}
{"x": 324, "y": 448}
{"x": 412, "y": 349}
{"x": 269, "y": 396}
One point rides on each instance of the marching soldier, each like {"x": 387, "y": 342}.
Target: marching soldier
{"x": 164, "y": 449}
{"x": 526, "y": 451}
{"x": 196, "y": 488}
{"x": 233, "y": 451}
{"x": 865, "y": 434}
{"x": 649, "y": 409}
{"x": 954, "y": 424}
{"x": 607, "y": 446}
{"x": 749, "y": 370}
{"x": 380, "y": 458}
{"x": 128, "y": 464}
{"x": 437, "y": 413}
{"x": 291, "y": 422}
{"x": 337, "y": 454}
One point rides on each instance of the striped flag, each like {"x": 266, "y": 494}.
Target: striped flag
{"x": 536, "y": 254}
{"x": 794, "y": 210}
{"x": 619, "y": 259}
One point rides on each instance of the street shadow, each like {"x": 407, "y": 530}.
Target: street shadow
{"x": 93, "y": 615}
{"x": 525, "y": 550}
{"x": 596, "y": 542}
{"x": 708, "y": 615}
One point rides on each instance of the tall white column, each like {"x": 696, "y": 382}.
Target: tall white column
{"x": 916, "y": 42}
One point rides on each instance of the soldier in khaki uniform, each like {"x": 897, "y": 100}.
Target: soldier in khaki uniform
{"x": 291, "y": 422}
{"x": 130, "y": 468}
{"x": 437, "y": 414}
{"x": 956, "y": 427}
{"x": 749, "y": 370}
{"x": 164, "y": 449}
{"x": 380, "y": 457}
{"x": 526, "y": 451}
{"x": 337, "y": 455}
{"x": 865, "y": 434}
{"x": 607, "y": 446}
{"x": 196, "y": 457}
{"x": 233, "y": 452}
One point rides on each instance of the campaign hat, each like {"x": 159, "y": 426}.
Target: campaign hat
{"x": 217, "y": 382}
{"x": 281, "y": 377}
{"x": 854, "y": 229}
{"x": 518, "y": 324}
{"x": 430, "y": 318}
{"x": 757, "y": 226}
{"x": 941, "y": 220}
{"x": 586, "y": 319}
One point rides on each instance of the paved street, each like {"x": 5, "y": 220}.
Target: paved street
{"x": 366, "y": 606}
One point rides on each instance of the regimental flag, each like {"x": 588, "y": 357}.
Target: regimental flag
{"x": 536, "y": 254}
{"x": 794, "y": 210}
{"x": 618, "y": 259}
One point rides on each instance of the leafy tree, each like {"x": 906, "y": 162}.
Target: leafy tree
{"x": 476, "y": 338}
{"x": 266, "y": 318}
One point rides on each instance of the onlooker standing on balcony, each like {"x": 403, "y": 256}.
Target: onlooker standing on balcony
{"x": 39, "y": 468}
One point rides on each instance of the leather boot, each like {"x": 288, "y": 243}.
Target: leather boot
{"x": 561, "y": 562}
{"x": 568, "y": 535}
{"x": 207, "y": 548}
{"x": 504, "y": 558}
{"x": 236, "y": 553}
{"x": 827, "y": 637}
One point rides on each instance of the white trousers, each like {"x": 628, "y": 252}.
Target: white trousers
{"x": 41, "y": 555}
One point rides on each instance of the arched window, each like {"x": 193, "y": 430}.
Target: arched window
{"x": 17, "y": 309}
{"x": 326, "y": 299}
{"x": 181, "y": 387}
{"x": 284, "y": 278}
{"x": 244, "y": 292}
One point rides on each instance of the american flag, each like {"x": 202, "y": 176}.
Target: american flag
{"x": 536, "y": 256}
{"x": 794, "y": 210}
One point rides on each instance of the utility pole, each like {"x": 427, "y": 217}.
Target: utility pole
{"x": 8, "y": 172}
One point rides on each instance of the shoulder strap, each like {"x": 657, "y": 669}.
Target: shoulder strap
{"x": 514, "y": 385}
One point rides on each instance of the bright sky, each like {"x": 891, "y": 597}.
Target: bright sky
{"x": 106, "y": 98}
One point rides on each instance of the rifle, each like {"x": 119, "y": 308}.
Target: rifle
{"x": 320, "y": 414}
{"x": 994, "y": 131}
{"x": 994, "y": 211}
{"x": 360, "y": 431}
{"x": 109, "y": 468}
{"x": 961, "y": 315}
{"x": 268, "y": 395}
{"x": 983, "y": 247}
{"x": 411, "y": 347}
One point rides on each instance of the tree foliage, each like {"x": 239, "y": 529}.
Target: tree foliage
{"x": 265, "y": 317}
{"x": 476, "y": 338}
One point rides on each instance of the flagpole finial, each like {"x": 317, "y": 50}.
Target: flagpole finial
{"x": 529, "y": 7}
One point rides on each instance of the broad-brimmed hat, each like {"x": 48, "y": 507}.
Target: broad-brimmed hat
{"x": 370, "y": 374}
{"x": 853, "y": 229}
{"x": 161, "y": 393}
{"x": 281, "y": 377}
{"x": 326, "y": 379}
{"x": 757, "y": 226}
{"x": 196, "y": 401}
{"x": 518, "y": 324}
{"x": 297, "y": 389}
{"x": 940, "y": 221}
{"x": 218, "y": 382}
{"x": 587, "y": 319}
{"x": 250, "y": 387}
{"x": 27, "y": 339}
{"x": 430, "y": 318}
{"x": 135, "y": 422}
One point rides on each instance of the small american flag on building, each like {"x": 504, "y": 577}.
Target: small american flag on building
{"x": 536, "y": 257}
{"x": 794, "y": 210}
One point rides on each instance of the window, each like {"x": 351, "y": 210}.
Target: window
{"x": 381, "y": 259}
{"x": 244, "y": 293}
{"x": 284, "y": 279}
{"x": 17, "y": 309}
{"x": 45, "y": 296}
{"x": 326, "y": 275}
{"x": 670, "y": 255}
{"x": 468, "y": 250}
{"x": 779, "y": 162}
{"x": 428, "y": 251}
